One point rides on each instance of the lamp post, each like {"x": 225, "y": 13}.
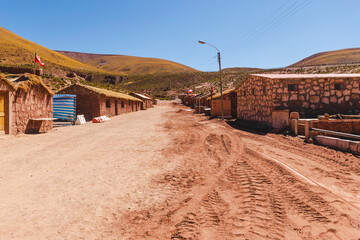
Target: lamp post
{"x": 219, "y": 60}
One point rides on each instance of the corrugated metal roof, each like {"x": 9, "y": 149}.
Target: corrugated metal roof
{"x": 142, "y": 96}
{"x": 287, "y": 76}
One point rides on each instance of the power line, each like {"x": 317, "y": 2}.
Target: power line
{"x": 274, "y": 23}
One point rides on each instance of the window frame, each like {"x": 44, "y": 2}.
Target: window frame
{"x": 289, "y": 87}
{"x": 108, "y": 103}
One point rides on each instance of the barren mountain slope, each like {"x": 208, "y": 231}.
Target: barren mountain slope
{"x": 343, "y": 56}
{"x": 128, "y": 64}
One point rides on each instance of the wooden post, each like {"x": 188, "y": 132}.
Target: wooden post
{"x": 294, "y": 126}
{"x": 307, "y": 131}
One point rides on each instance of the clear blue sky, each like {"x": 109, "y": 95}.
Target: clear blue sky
{"x": 170, "y": 29}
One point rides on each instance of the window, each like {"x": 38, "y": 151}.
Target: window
{"x": 122, "y": 104}
{"x": 264, "y": 90}
{"x": 253, "y": 92}
{"x": 108, "y": 103}
{"x": 292, "y": 87}
{"x": 129, "y": 103}
{"x": 339, "y": 86}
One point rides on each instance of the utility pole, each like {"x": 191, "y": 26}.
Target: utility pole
{"x": 221, "y": 90}
{"x": 219, "y": 60}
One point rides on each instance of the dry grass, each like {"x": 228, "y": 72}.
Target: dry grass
{"x": 344, "y": 56}
{"x": 128, "y": 64}
{"x": 16, "y": 50}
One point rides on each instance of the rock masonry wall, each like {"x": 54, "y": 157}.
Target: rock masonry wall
{"x": 254, "y": 100}
{"x": 259, "y": 96}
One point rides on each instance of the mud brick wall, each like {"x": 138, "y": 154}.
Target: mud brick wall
{"x": 129, "y": 106}
{"x": 34, "y": 103}
{"x": 255, "y": 100}
{"x": 351, "y": 126}
{"x": 259, "y": 96}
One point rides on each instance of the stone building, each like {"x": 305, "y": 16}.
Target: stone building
{"x": 94, "y": 102}
{"x": 22, "y": 98}
{"x": 262, "y": 96}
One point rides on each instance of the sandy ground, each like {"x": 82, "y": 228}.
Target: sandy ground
{"x": 166, "y": 173}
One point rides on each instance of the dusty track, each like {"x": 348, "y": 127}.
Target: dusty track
{"x": 179, "y": 176}
{"x": 235, "y": 184}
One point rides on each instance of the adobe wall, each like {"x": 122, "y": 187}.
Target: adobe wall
{"x": 216, "y": 107}
{"x": 317, "y": 96}
{"x": 253, "y": 103}
{"x": 35, "y": 103}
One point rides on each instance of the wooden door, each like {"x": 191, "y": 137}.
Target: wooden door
{"x": 2, "y": 112}
{"x": 116, "y": 108}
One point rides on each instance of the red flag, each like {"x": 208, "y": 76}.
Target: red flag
{"x": 211, "y": 89}
{"x": 37, "y": 59}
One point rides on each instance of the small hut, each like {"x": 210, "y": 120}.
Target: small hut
{"x": 147, "y": 102}
{"x": 24, "y": 98}
{"x": 93, "y": 102}
{"x": 229, "y": 102}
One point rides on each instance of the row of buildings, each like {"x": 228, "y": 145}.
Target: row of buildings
{"x": 25, "y": 101}
{"x": 269, "y": 98}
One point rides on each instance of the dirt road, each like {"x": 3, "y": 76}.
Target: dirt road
{"x": 166, "y": 173}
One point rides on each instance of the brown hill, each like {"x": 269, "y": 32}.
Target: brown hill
{"x": 128, "y": 64}
{"x": 337, "y": 57}
{"x": 15, "y": 50}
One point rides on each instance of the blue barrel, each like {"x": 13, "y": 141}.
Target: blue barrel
{"x": 64, "y": 107}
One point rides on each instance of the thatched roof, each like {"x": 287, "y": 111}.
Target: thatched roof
{"x": 108, "y": 93}
{"x": 223, "y": 93}
{"x": 24, "y": 82}
{"x": 4, "y": 79}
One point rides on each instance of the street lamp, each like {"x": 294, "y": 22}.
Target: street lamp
{"x": 219, "y": 60}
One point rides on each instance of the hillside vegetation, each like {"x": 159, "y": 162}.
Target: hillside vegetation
{"x": 128, "y": 64}
{"x": 338, "y": 57}
{"x": 17, "y": 51}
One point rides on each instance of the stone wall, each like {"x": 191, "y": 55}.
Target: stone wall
{"x": 20, "y": 70}
{"x": 34, "y": 103}
{"x": 317, "y": 96}
{"x": 258, "y": 96}
{"x": 254, "y": 102}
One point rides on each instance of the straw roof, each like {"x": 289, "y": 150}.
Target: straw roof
{"x": 108, "y": 93}
{"x": 24, "y": 82}
{"x": 4, "y": 79}
{"x": 223, "y": 93}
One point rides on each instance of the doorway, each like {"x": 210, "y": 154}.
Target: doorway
{"x": 2, "y": 113}
{"x": 116, "y": 108}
